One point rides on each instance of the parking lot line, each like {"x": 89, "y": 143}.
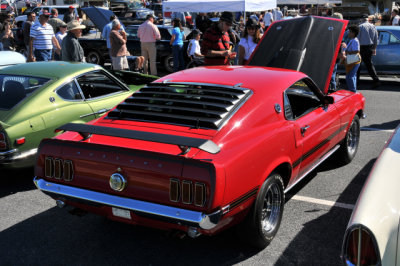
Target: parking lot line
{"x": 376, "y": 129}
{"x": 323, "y": 202}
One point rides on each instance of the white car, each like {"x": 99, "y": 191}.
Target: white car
{"x": 61, "y": 11}
{"x": 372, "y": 235}
{"x": 9, "y": 58}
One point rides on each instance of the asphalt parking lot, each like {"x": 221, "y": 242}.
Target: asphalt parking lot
{"x": 34, "y": 231}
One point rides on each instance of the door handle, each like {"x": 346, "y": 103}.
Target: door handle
{"x": 304, "y": 129}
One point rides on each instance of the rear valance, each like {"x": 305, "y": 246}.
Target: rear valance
{"x": 87, "y": 130}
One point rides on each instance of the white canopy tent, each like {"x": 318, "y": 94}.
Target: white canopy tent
{"x": 217, "y": 5}
{"x": 308, "y": 2}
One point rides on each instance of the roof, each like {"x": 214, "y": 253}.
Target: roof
{"x": 48, "y": 69}
{"x": 388, "y": 28}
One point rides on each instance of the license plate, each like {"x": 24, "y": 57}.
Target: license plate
{"x": 121, "y": 213}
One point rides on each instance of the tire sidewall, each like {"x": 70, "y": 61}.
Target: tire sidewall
{"x": 266, "y": 238}
{"x": 350, "y": 155}
{"x": 97, "y": 55}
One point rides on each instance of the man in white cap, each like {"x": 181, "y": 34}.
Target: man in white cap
{"x": 71, "y": 49}
{"x": 42, "y": 39}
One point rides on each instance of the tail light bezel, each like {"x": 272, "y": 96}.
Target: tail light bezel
{"x": 58, "y": 168}
{"x": 3, "y": 141}
{"x": 359, "y": 229}
{"x": 186, "y": 192}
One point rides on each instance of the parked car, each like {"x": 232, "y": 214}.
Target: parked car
{"x": 61, "y": 11}
{"x": 96, "y": 51}
{"x": 387, "y": 58}
{"x": 36, "y": 98}
{"x": 372, "y": 234}
{"x": 130, "y": 10}
{"x": 207, "y": 148}
{"x": 9, "y": 58}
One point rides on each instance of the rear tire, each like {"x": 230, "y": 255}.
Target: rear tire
{"x": 349, "y": 146}
{"x": 168, "y": 63}
{"x": 94, "y": 57}
{"x": 263, "y": 221}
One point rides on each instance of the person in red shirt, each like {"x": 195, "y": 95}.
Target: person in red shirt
{"x": 216, "y": 42}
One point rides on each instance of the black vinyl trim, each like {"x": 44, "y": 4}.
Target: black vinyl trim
{"x": 85, "y": 130}
{"x": 317, "y": 147}
{"x": 243, "y": 198}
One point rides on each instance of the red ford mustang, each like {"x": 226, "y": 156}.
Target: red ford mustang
{"x": 207, "y": 148}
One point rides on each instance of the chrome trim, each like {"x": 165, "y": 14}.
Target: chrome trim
{"x": 186, "y": 193}
{"x": 86, "y": 115}
{"x": 177, "y": 183}
{"x": 199, "y": 219}
{"x": 4, "y": 153}
{"x": 5, "y": 156}
{"x": 326, "y": 156}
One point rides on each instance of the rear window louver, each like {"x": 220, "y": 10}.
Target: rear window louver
{"x": 186, "y": 104}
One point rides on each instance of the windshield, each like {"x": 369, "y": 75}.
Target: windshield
{"x": 14, "y": 89}
{"x": 135, "y": 4}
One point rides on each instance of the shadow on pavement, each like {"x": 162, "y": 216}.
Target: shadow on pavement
{"x": 16, "y": 180}
{"x": 55, "y": 237}
{"x": 309, "y": 246}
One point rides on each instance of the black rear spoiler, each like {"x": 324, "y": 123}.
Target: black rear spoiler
{"x": 184, "y": 143}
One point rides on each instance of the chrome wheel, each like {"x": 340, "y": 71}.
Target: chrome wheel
{"x": 271, "y": 212}
{"x": 353, "y": 138}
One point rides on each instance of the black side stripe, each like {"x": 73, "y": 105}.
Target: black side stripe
{"x": 243, "y": 198}
{"x": 317, "y": 147}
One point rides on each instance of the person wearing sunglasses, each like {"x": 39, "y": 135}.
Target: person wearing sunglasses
{"x": 249, "y": 41}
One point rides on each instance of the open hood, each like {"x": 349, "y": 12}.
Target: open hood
{"x": 306, "y": 44}
{"x": 99, "y": 16}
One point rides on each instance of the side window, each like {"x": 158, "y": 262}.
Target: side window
{"x": 98, "y": 84}
{"x": 393, "y": 39}
{"x": 69, "y": 92}
{"x": 132, "y": 33}
{"x": 299, "y": 100}
{"x": 384, "y": 38}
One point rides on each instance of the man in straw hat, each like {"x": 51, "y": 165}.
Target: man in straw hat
{"x": 71, "y": 50}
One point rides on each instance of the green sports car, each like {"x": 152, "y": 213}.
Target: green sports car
{"x": 36, "y": 98}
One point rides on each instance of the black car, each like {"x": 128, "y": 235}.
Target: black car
{"x": 96, "y": 51}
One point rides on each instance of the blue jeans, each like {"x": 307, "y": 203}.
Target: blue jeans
{"x": 43, "y": 55}
{"x": 351, "y": 79}
{"x": 333, "y": 78}
{"x": 179, "y": 61}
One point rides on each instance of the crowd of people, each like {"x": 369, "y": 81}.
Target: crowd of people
{"x": 229, "y": 41}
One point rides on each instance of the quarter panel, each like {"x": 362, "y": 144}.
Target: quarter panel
{"x": 378, "y": 205}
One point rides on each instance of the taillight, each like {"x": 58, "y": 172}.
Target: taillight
{"x": 360, "y": 247}
{"x": 186, "y": 193}
{"x": 58, "y": 169}
{"x": 3, "y": 143}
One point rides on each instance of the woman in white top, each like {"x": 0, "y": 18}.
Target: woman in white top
{"x": 249, "y": 41}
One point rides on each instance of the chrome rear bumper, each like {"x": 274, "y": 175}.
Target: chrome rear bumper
{"x": 156, "y": 211}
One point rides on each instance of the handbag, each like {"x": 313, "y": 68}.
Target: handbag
{"x": 352, "y": 58}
